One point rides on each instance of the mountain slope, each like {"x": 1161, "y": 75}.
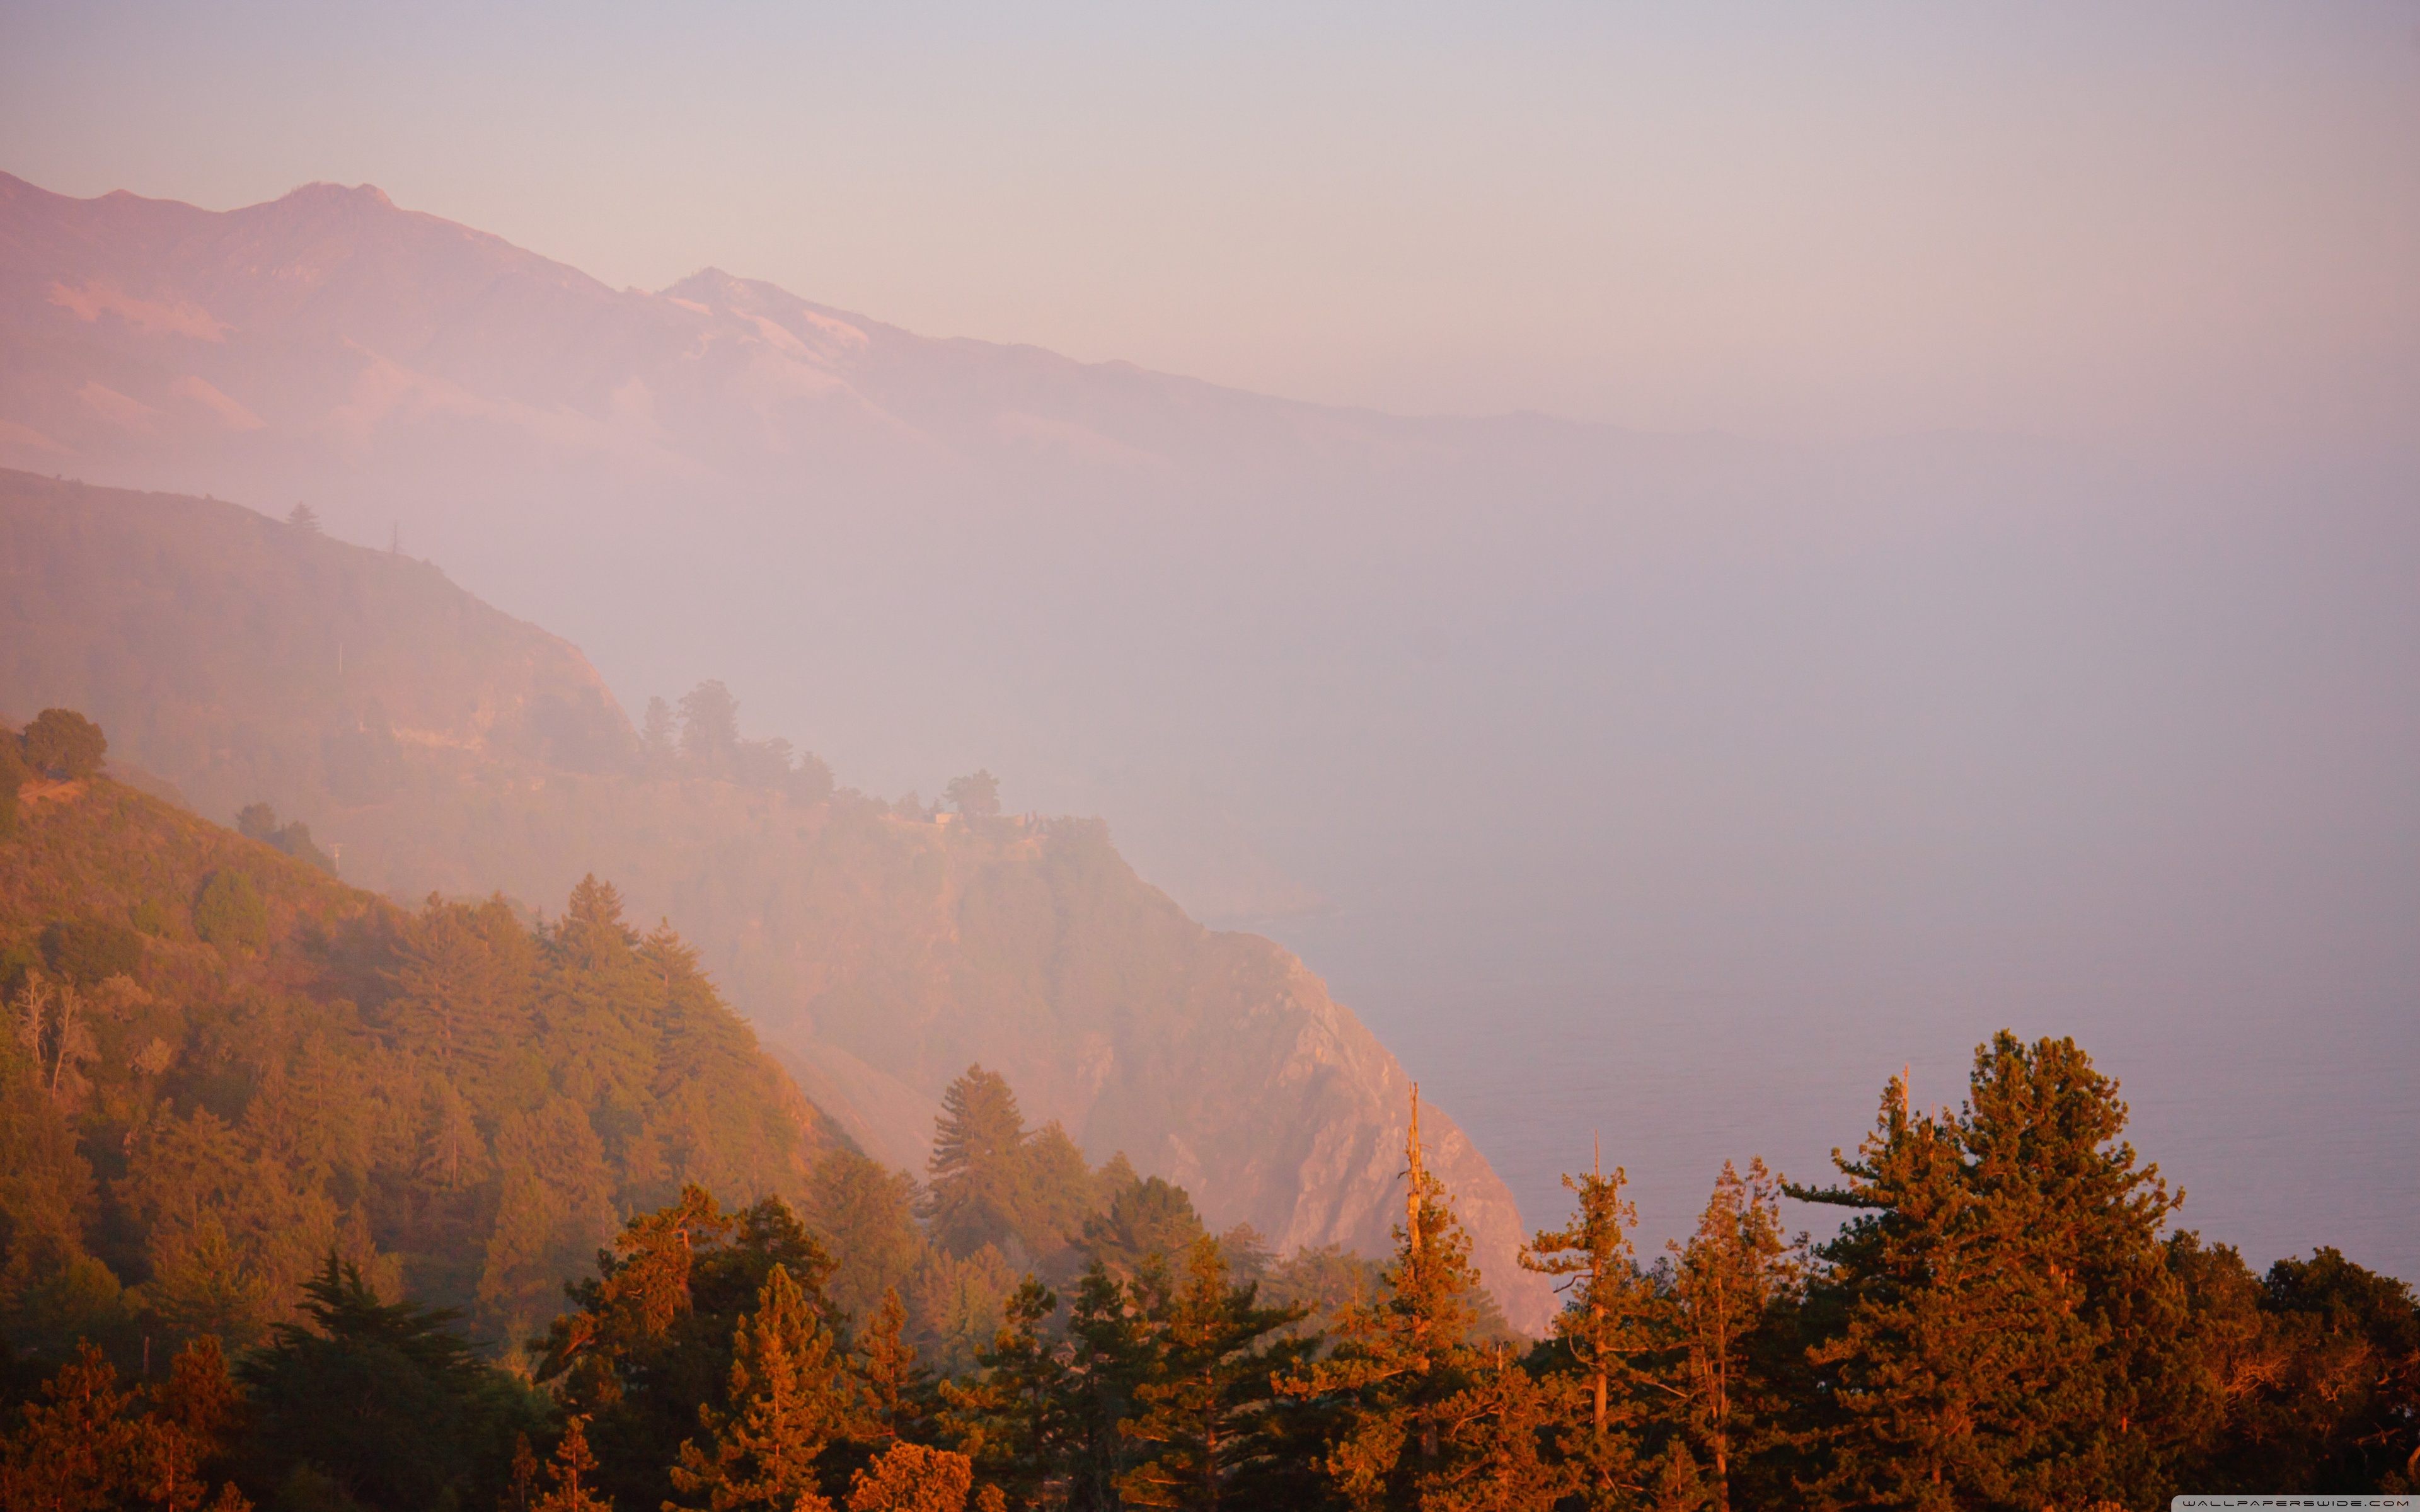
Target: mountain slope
{"x": 881, "y": 952}
{"x": 233, "y": 1063}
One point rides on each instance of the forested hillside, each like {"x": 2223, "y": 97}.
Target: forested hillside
{"x": 228, "y": 1065}
{"x": 430, "y": 743}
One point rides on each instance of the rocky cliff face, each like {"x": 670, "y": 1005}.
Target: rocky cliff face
{"x": 458, "y": 749}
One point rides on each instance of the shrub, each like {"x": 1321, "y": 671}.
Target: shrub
{"x": 229, "y": 910}
{"x": 91, "y": 949}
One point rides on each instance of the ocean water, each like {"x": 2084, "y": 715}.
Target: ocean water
{"x": 2289, "y": 1124}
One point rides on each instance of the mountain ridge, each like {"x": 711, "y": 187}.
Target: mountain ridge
{"x": 452, "y": 748}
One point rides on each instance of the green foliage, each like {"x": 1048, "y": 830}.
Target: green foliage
{"x": 1732, "y": 1294}
{"x": 89, "y": 1444}
{"x": 2008, "y": 1321}
{"x": 867, "y": 1217}
{"x": 1207, "y": 1424}
{"x": 259, "y": 820}
{"x": 448, "y": 1102}
{"x": 14, "y": 774}
{"x": 453, "y": 1103}
{"x": 790, "y": 1397}
{"x": 2318, "y": 1366}
{"x": 978, "y": 1188}
{"x": 385, "y": 1399}
{"x": 652, "y": 1344}
{"x": 63, "y": 744}
{"x": 91, "y": 950}
{"x": 1402, "y": 1377}
{"x": 957, "y": 1304}
{"x": 975, "y": 795}
{"x": 1610, "y": 1329}
{"x": 909, "y": 1478}
{"x": 1147, "y": 1220}
{"x": 229, "y": 911}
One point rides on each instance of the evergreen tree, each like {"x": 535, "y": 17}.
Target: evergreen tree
{"x": 1056, "y": 1192}
{"x": 977, "y": 1191}
{"x": 1146, "y": 1219}
{"x": 1509, "y": 1440}
{"x": 909, "y": 1478}
{"x": 709, "y": 727}
{"x": 790, "y": 1396}
{"x": 2318, "y": 1367}
{"x": 2010, "y": 1334}
{"x": 462, "y": 983}
{"x": 383, "y": 1398}
{"x": 77, "y": 1447}
{"x": 654, "y": 1339}
{"x": 63, "y": 744}
{"x": 1732, "y": 1274}
{"x": 1206, "y": 1407}
{"x": 893, "y": 1387}
{"x": 1610, "y": 1326}
{"x": 976, "y": 795}
{"x": 1400, "y": 1359}
{"x": 957, "y": 1306}
{"x": 573, "y": 1463}
{"x": 1110, "y": 1350}
{"x": 657, "y": 739}
{"x": 868, "y": 1217}
{"x": 1011, "y": 1418}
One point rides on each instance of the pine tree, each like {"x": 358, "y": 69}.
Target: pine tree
{"x": 418, "y": 1404}
{"x": 868, "y": 1216}
{"x": 1147, "y": 1218}
{"x": 1510, "y": 1439}
{"x": 572, "y": 1460}
{"x": 190, "y": 1430}
{"x": 1110, "y": 1350}
{"x": 462, "y": 981}
{"x": 78, "y": 1447}
{"x": 1055, "y": 1192}
{"x": 790, "y": 1396}
{"x": 893, "y": 1387}
{"x": 977, "y": 1166}
{"x": 909, "y": 1478}
{"x": 1400, "y": 1358}
{"x": 1011, "y": 1418}
{"x": 2010, "y": 1333}
{"x": 1610, "y": 1327}
{"x": 1205, "y": 1403}
{"x": 1733, "y": 1271}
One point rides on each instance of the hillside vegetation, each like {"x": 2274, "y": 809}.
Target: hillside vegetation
{"x": 429, "y": 743}
{"x": 228, "y": 1065}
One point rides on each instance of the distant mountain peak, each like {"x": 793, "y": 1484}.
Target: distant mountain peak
{"x": 322, "y": 192}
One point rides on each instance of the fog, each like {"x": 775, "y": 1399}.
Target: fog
{"x": 1679, "y": 791}
{"x": 1968, "y": 581}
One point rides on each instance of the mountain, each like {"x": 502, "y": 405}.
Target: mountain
{"x": 328, "y": 332}
{"x": 433, "y": 743}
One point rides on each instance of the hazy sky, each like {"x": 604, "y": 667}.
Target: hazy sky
{"x": 2182, "y": 220}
